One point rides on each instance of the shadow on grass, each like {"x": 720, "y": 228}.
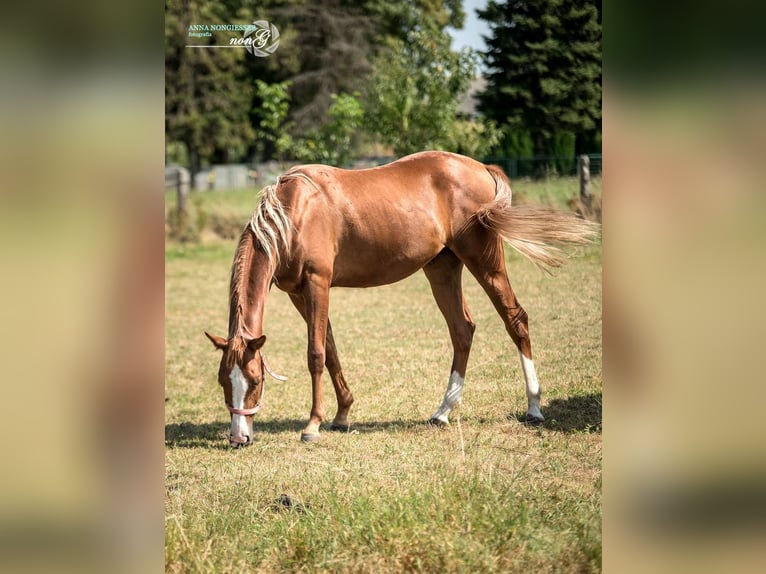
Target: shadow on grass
{"x": 581, "y": 413}
{"x": 215, "y": 435}
{"x": 191, "y": 435}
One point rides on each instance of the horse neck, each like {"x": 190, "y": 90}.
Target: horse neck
{"x": 250, "y": 284}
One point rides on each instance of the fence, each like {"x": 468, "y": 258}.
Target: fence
{"x": 541, "y": 166}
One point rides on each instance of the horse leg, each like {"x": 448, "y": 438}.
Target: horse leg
{"x": 332, "y": 362}
{"x": 444, "y": 274}
{"x": 317, "y": 297}
{"x": 489, "y": 269}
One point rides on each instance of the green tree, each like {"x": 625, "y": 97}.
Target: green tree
{"x": 474, "y": 138}
{"x": 207, "y": 96}
{"x": 333, "y": 142}
{"x": 544, "y": 62}
{"x": 330, "y": 143}
{"x": 397, "y": 18}
{"x": 271, "y": 114}
{"x": 414, "y": 89}
{"x": 328, "y": 46}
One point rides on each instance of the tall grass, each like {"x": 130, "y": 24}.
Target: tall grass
{"x": 489, "y": 494}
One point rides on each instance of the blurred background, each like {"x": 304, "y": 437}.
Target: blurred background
{"x": 356, "y": 82}
{"x": 359, "y": 84}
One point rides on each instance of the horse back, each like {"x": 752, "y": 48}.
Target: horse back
{"x": 376, "y": 226}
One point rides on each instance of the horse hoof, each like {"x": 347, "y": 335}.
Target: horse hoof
{"x": 340, "y": 428}
{"x": 438, "y": 423}
{"x": 533, "y": 420}
{"x": 309, "y": 437}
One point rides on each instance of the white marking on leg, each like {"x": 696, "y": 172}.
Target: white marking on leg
{"x": 451, "y": 397}
{"x": 533, "y": 387}
{"x": 239, "y": 385}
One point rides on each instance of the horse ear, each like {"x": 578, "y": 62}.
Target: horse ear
{"x": 257, "y": 343}
{"x": 219, "y": 342}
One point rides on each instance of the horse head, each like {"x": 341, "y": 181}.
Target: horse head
{"x": 241, "y": 375}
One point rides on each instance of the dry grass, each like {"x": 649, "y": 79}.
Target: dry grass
{"x": 393, "y": 495}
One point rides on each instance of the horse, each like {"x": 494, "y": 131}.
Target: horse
{"x": 319, "y": 227}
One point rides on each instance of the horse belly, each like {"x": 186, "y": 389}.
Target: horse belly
{"x": 370, "y": 259}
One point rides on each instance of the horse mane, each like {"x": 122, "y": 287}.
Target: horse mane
{"x": 271, "y": 225}
{"x": 269, "y": 230}
{"x": 240, "y": 276}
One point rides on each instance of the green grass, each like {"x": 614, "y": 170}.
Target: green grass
{"x": 553, "y": 191}
{"x": 488, "y": 494}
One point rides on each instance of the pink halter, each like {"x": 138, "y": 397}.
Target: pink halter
{"x": 244, "y": 412}
{"x": 257, "y": 407}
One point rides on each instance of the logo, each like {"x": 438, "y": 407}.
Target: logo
{"x": 260, "y": 38}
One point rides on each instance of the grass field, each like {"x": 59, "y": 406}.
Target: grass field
{"x": 488, "y": 494}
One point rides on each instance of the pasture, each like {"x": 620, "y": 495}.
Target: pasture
{"x": 487, "y": 494}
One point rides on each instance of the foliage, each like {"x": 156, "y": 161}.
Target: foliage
{"x": 517, "y": 143}
{"x": 207, "y": 99}
{"x": 332, "y": 143}
{"x": 474, "y": 138}
{"x": 562, "y": 147}
{"x": 330, "y": 48}
{"x": 272, "y": 115}
{"x": 379, "y": 72}
{"x": 415, "y": 85}
{"x": 397, "y": 18}
{"x": 185, "y": 226}
{"x": 544, "y": 61}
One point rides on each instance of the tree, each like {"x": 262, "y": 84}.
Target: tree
{"x": 544, "y": 62}
{"x": 272, "y": 125}
{"x": 474, "y": 138}
{"x": 334, "y": 46}
{"x": 207, "y": 97}
{"x": 329, "y": 53}
{"x": 413, "y": 94}
{"x": 332, "y": 143}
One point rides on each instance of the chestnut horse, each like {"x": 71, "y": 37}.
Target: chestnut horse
{"x": 320, "y": 227}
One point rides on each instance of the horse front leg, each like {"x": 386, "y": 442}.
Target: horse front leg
{"x": 342, "y": 392}
{"x": 317, "y": 297}
{"x": 332, "y": 362}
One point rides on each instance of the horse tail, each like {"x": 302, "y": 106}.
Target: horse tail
{"x": 537, "y": 232}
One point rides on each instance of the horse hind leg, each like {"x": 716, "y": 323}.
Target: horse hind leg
{"x": 484, "y": 258}
{"x": 444, "y": 275}
{"x": 332, "y": 362}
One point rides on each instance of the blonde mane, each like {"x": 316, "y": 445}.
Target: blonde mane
{"x": 271, "y": 225}
{"x": 270, "y": 230}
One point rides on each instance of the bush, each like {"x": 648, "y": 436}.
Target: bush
{"x": 562, "y": 147}
{"x": 226, "y": 224}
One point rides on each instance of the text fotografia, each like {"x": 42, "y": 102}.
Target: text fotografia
{"x": 259, "y": 38}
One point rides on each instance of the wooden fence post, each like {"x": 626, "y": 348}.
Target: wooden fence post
{"x": 583, "y": 167}
{"x": 182, "y": 187}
